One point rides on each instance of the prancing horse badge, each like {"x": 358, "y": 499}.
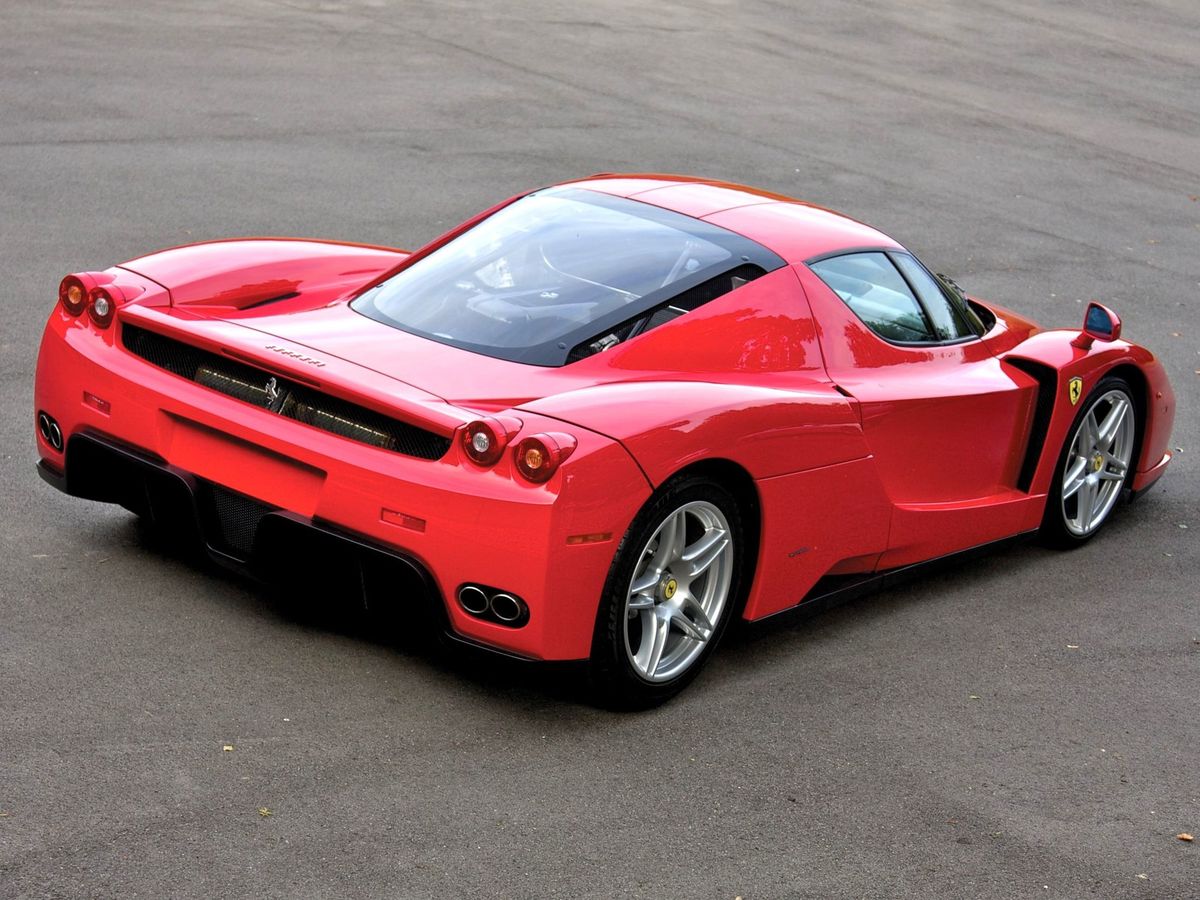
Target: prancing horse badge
{"x": 1075, "y": 390}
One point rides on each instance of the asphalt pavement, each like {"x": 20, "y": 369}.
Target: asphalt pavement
{"x": 1023, "y": 725}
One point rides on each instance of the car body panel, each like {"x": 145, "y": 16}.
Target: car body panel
{"x": 237, "y": 274}
{"x": 861, "y": 456}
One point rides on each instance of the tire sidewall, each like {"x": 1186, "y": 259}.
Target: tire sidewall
{"x": 614, "y": 680}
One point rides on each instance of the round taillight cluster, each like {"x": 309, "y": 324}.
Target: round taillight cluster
{"x": 535, "y": 457}
{"x": 539, "y": 455}
{"x": 483, "y": 442}
{"x": 73, "y": 294}
{"x": 101, "y": 306}
{"x": 82, "y": 292}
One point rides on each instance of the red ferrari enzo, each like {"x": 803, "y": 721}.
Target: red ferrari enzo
{"x": 595, "y": 422}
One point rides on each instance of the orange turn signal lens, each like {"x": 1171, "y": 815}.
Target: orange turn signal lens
{"x": 534, "y": 457}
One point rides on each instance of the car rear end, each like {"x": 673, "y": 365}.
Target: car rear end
{"x": 288, "y": 465}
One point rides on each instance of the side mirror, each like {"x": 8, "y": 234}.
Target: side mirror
{"x": 1099, "y": 324}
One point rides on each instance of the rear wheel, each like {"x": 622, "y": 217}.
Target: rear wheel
{"x": 1094, "y": 467}
{"x": 669, "y": 595}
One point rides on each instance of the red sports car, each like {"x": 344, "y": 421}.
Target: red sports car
{"x": 596, "y": 422}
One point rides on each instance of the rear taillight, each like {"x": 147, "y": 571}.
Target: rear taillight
{"x": 539, "y": 455}
{"x": 483, "y": 441}
{"x": 73, "y": 294}
{"x": 102, "y": 304}
{"x": 93, "y": 291}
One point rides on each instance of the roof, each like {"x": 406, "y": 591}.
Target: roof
{"x": 791, "y": 228}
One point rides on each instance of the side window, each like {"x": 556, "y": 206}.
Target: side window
{"x": 948, "y": 323}
{"x": 872, "y": 287}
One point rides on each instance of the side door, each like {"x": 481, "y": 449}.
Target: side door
{"x": 945, "y": 421}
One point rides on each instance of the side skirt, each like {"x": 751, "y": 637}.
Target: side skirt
{"x": 834, "y": 590}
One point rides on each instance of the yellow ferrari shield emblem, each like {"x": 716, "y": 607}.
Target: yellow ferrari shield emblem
{"x": 670, "y": 588}
{"x": 1075, "y": 390}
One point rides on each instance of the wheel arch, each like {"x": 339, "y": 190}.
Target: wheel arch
{"x": 1053, "y": 351}
{"x": 1137, "y": 381}
{"x": 740, "y": 484}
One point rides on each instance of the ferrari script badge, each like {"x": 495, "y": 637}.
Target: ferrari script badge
{"x": 1075, "y": 390}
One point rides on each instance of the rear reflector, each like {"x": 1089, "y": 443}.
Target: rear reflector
{"x": 96, "y": 403}
{"x": 404, "y": 520}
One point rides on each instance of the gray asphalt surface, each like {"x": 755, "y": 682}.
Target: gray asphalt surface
{"x": 1022, "y": 726}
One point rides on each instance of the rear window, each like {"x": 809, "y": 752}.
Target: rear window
{"x": 561, "y": 274}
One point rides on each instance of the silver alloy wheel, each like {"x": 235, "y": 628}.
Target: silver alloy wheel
{"x": 678, "y": 592}
{"x": 1097, "y": 462}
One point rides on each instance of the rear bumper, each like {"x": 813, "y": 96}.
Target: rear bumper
{"x": 161, "y": 439}
{"x": 348, "y": 565}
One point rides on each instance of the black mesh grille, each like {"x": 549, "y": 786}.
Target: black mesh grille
{"x": 237, "y": 518}
{"x": 289, "y": 399}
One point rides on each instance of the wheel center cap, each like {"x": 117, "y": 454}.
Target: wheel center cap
{"x": 670, "y": 586}
{"x": 1097, "y": 462}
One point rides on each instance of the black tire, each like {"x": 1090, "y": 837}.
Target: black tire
{"x": 1058, "y": 529}
{"x": 614, "y": 678}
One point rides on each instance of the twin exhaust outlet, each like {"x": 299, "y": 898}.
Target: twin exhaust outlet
{"x": 489, "y": 603}
{"x": 50, "y": 431}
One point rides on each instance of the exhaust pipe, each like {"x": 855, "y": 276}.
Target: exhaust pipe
{"x": 507, "y": 608}
{"x": 473, "y": 599}
{"x": 50, "y": 431}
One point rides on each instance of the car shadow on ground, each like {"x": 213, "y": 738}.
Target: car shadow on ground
{"x": 746, "y": 648}
{"x": 407, "y": 628}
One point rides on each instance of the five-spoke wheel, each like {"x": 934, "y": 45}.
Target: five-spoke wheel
{"x": 679, "y": 589}
{"x": 1094, "y": 466}
{"x": 669, "y": 593}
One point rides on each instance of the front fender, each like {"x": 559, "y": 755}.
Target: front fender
{"x": 1054, "y": 350}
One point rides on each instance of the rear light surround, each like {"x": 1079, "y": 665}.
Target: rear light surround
{"x": 102, "y": 304}
{"x": 538, "y": 456}
{"x": 484, "y": 440}
{"x": 94, "y": 292}
{"x": 73, "y": 293}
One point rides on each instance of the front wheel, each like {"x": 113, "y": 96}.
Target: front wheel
{"x": 1094, "y": 466}
{"x": 669, "y": 595}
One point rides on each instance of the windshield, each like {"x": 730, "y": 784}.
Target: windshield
{"x": 552, "y": 269}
